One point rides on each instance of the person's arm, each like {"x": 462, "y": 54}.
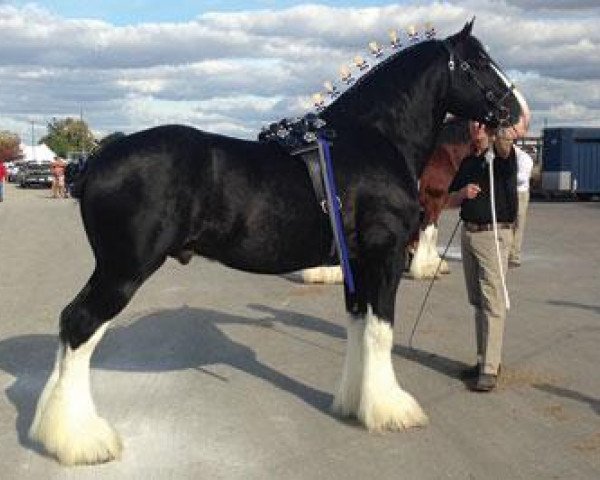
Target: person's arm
{"x": 469, "y": 192}
{"x": 461, "y": 188}
{"x": 525, "y": 166}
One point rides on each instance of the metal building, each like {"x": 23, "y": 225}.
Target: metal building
{"x": 571, "y": 160}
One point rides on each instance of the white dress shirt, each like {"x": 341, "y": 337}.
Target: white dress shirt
{"x": 524, "y": 168}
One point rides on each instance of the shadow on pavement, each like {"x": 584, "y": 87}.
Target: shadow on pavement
{"x": 583, "y": 306}
{"x": 178, "y": 339}
{"x": 164, "y": 341}
{"x": 444, "y": 365}
{"x": 594, "y": 403}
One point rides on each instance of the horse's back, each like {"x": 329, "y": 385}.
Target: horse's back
{"x": 176, "y": 143}
{"x": 170, "y": 158}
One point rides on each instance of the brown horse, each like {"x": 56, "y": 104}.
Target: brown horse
{"x": 454, "y": 144}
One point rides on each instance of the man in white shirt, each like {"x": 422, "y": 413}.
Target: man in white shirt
{"x": 524, "y": 168}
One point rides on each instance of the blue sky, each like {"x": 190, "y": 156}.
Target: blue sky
{"x": 130, "y": 12}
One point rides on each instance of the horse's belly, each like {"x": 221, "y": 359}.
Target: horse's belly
{"x": 272, "y": 249}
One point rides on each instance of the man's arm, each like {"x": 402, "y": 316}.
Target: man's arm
{"x": 525, "y": 166}
{"x": 469, "y": 191}
{"x": 461, "y": 188}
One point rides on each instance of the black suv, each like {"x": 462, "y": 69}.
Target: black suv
{"x": 33, "y": 173}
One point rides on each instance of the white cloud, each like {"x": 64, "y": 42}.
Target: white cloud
{"x": 232, "y": 72}
{"x": 568, "y": 111}
{"x": 556, "y": 4}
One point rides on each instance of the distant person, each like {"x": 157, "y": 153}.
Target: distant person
{"x": 524, "y": 168}
{"x": 58, "y": 178}
{"x": 2, "y": 180}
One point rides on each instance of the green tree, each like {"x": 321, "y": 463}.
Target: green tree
{"x": 68, "y": 135}
{"x": 9, "y": 145}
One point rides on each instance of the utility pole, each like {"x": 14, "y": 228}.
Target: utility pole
{"x": 81, "y": 147}
{"x": 33, "y": 140}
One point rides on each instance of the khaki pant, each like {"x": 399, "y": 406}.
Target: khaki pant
{"x": 484, "y": 289}
{"x": 519, "y": 228}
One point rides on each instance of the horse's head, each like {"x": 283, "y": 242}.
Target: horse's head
{"x": 479, "y": 90}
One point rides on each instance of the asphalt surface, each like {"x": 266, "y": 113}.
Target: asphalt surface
{"x": 213, "y": 373}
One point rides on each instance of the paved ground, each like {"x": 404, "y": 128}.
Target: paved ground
{"x": 212, "y": 373}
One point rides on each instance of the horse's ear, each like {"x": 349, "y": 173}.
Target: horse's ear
{"x": 468, "y": 28}
{"x": 463, "y": 34}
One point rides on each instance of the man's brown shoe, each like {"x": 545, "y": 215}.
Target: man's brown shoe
{"x": 486, "y": 382}
{"x": 470, "y": 373}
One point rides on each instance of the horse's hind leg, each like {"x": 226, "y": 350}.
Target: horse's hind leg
{"x": 66, "y": 422}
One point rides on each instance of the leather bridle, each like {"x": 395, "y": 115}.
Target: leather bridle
{"x": 499, "y": 112}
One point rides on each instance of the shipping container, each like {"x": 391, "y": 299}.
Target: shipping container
{"x": 571, "y": 160}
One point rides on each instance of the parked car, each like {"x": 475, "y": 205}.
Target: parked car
{"x": 13, "y": 172}
{"x": 34, "y": 173}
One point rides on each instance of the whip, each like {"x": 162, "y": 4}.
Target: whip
{"x": 414, "y": 329}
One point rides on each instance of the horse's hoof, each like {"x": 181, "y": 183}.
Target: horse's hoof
{"x": 344, "y": 409}
{"x": 396, "y": 411}
{"x": 76, "y": 441}
{"x": 92, "y": 442}
{"x": 444, "y": 268}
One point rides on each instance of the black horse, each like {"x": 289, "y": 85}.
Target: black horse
{"x": 176, "y": 191}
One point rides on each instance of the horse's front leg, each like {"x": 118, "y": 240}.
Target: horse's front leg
{"x": 369, "y": 389}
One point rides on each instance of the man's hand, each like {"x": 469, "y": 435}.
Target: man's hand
{"x": 469, "y": 191}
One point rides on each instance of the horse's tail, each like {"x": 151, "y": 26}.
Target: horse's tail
{"x": 81, "y": 177}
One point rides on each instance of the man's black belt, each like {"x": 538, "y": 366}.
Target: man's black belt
{"x": 486, "y": 227}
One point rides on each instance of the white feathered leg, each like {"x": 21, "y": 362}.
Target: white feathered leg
{"x": 48, "y": 389}
{"x": 424, "y": 264}
{"x": 348, "y": 395}
{"x": 328, "y": 275}
{"x": 439, "y": 265}
{"x": 66, "y": 422}
{"x": 383, "y": 404}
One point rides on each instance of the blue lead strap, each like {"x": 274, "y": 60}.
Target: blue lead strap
{"x": 335, "y": 216}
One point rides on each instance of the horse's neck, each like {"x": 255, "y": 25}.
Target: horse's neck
{"x": 457, "y": 153}
{"x": 408, "y": 109}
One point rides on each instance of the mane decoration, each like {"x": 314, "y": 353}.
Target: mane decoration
{"x": 296, "y": 133}
{"x": 378, "y": 54}
{"x": 293, "y": 133}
